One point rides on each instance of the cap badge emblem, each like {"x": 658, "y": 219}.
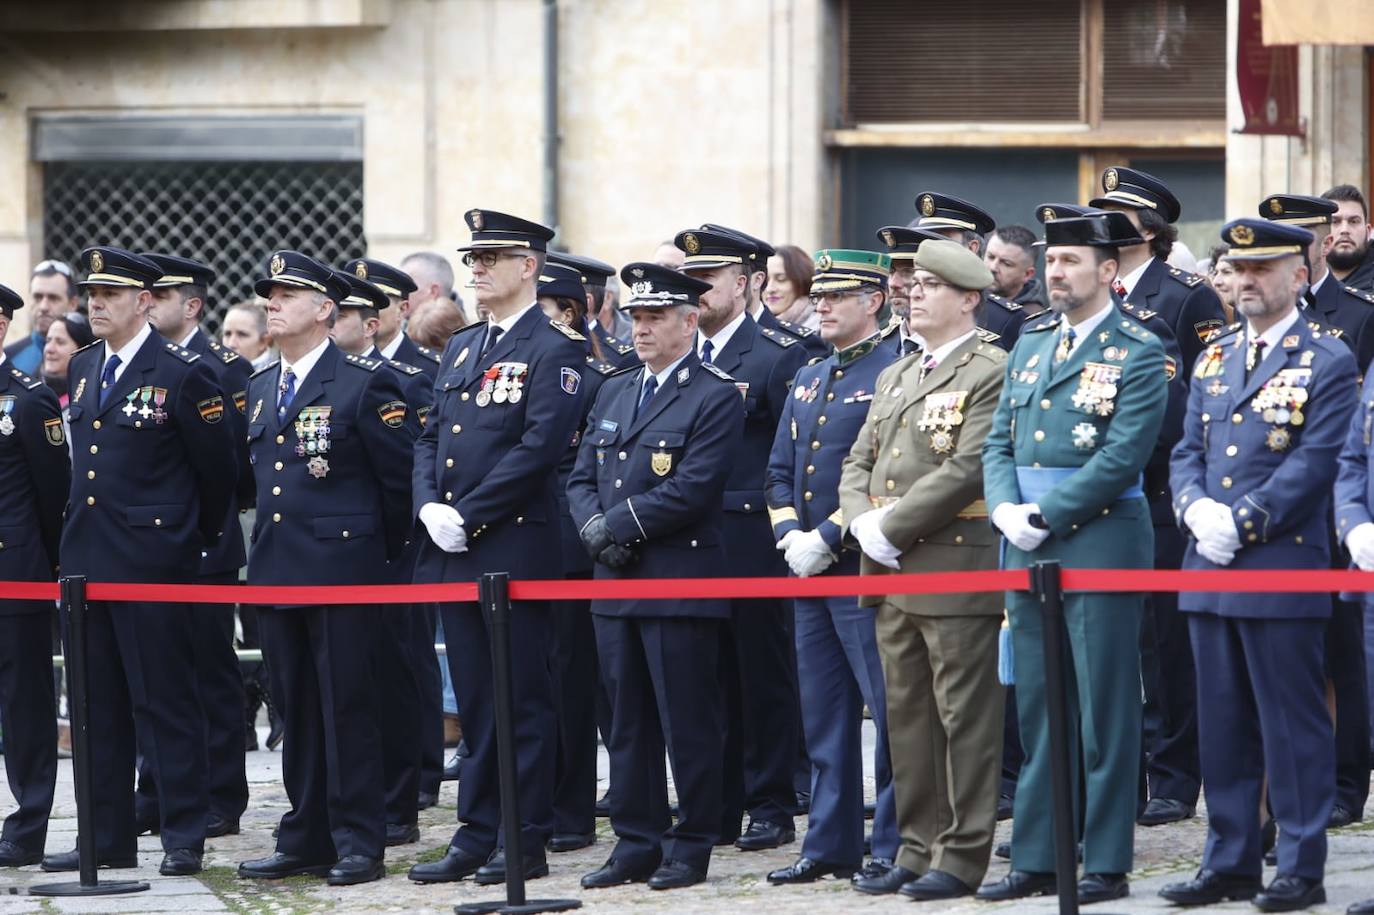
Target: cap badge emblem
{"x": 278, "y": 264}
{"x": 637, "y": 273}
{"x": 824, "y": 262}
{"x": 97, "y": 262}
{"x": 1047, "y": 214}
{"x": 1242, "y": 235}
{"x": 927, "y": 205}
{"x": 360, "y": 271}
{"x": 1276, "y": 207}
{"x": 475, "y": 220}
{"x": 1110, "y": 180}
{"x": 691, "y": 244}
{"x": 887, "y": 238}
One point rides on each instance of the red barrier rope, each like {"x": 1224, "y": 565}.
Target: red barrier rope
{"x": 1239, "y": 581}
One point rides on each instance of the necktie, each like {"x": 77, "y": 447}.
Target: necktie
{"x": 1065, "y": 347}
{"x": 927, "y": 366}
{"x": 1119, "y": 287}
{"x": 909, "y": 346}
{"x": 706, "y": 349}
{"x": 650, "y": 387}
{"x": 285, "y": 391}
{"x": 107, "y": 377}
{"x": 493, "y": 334}
{"x": 1254, "y": 356}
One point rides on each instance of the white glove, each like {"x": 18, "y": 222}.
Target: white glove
{"x": 1215, "y": 530}
{"x": 1360, "y": 542}
{"x": 1213, "y": 552}
{"x": 808, "y": 554}
{"x": 1014, "y": 523}
{"x": 788, "y": 537}
{"x": 445, "y": 527}
{"x": 867, "y": 529}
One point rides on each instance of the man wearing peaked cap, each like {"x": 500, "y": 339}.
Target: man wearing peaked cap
{"x": 1182, "y": 299}
{"x": 1336, "y": 305}
{"x": 646, "y": 497}
{"x": 143, "y": 409}
{"x": 507, "y": 402}
{"x": 759, "y": 660}
{"x": 961, "y": 221}
{"x": 593, "y": 274}
{"x": 837, "y": 655}
{"x": 330, "y": 440}
{"x": 1269, "y": 406}
{"x": 180, "y": 297}
{"x": 1079, "y": 415}
{"x": 35, "y": 476}
{"x": 902, "y": 243}
{"x": 391, "y": 341}
{"x": 758, "y": 282}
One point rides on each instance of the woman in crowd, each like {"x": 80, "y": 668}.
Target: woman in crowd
{"x": 788, "y": 293}
{"x": 66, "y": 335}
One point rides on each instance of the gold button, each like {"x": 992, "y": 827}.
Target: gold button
{"x": 810, "y": 468}
{"x": 281, "y": 440}
{"x": 463, "y": 396}
{"x": 96, "y": 424}
{"x": 138, "y": 424}
{"x": 1106, "y": 511}
{"x": 1298, "y": 538}
{"x": 90, "y": 474}
{"x": 662, "y": 443}
{"x": 1242, "y": 511}
{"x": 1035, "y": 464}
{"x": 278, "y": 465}
{"x": 830, "y": 396}
{"x": 1183, "y": 500}
{"x": 815, "y": 446}
{"x": 448, "y": 496}
{"x": 958, "y": 538}
{"x": 90, "y": 500}
{"x": 622, "y": 455}
{"x": 820, "y": 421}
{"x": 276, "y": 490}
{"x": 903, "y": 422}
{"x": 448, "y": 463}
{"x": 839, "y": 374}
{"x": 1045, "y": 404}
{"x": 1039, "y": 435}
{"x": 276, "y": 517}
{"x": 618, "y": 484}
{"x": 891, "y": 485}
{"x": 457, "y": 428}
{"x": 1231, "y": 450}
{"x": 1249, "y": 525}
{"x": 1075, "y": 527}
{"x": 345, "y": 535}
{"x": 1206, "y": 417}
{"x": 896, "y": 452}
{"x": 157, "y": 522}
{"x": 1226, "y": 482}
{"x": 748, "y": 507}
{"x": 95, "y": 449}
{"x": 1236, "y": 417}
{"x": 520, "y": 519}
{"x": 807, "y": 495}
{"x": 1252, "y": 538}
{"x": 694, "y": 543}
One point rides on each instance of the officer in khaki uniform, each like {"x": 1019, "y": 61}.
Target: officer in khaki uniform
{"x": 912, "y": 494}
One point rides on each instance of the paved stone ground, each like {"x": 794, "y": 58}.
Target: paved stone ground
{"x": 736, "y": 881}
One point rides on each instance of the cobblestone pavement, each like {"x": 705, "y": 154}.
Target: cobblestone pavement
{"x": 736, "y": 883}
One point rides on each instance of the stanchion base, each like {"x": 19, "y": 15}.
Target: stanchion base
{"x": 530, "y": 907}
{"x": 101, "y": 888}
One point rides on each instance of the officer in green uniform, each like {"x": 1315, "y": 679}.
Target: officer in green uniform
{"x": 1080, "y": 411}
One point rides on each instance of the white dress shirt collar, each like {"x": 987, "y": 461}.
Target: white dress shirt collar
{"x": 127, "y": 352}
{"x": 302, "y": 366}
{"x": 722, "y": 337}
{"x": 1130, "y": 279}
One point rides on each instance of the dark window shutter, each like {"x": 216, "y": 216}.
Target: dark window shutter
{"x": 970, "y": 60}
{"x": 1164, "y": 59}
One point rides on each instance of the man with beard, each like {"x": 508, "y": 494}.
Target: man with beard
{"x": 1348, "y": 253}
{"x": 901, "y": 243}
{"x": 1011, "y": 258}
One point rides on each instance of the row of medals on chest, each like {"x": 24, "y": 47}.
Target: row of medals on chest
{"x": 312, "y": 438}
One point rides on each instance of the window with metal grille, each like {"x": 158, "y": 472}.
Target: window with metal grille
{"x": 231, "y": 215}
{"x": 1164, "y": 59}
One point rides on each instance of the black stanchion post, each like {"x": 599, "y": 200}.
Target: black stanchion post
{"x": 493, "y": 592}
{"x": 1045, "y": 585}
{"x": 74, "y": 660}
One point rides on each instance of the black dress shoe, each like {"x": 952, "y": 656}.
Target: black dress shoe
{"x": 353, "y": 869}
{"x": 1005, "y": 806}
{"x": 276, "y": 732}
{"x": 453, "y": 769}
{"x": 69, "y": 861}
{"x": 603, "y": 805}
{"x": 426, "y": 800}
{"x": 1361, "y": 908}
{"x": 762, "y": 834}
{"x": 1101, "y": 887}
{"x": 279, "y": 866}
{"x": 807, "y": 870}
{"x": 218, "y": 826}
{"x": 494, "y": 871}
{"x": 1269, "y": 837}
{"x": 456, "y": 864}
{"x": 870, "y": 811}
{"x": 402, "y": 834}
{"x": 875, "y": 867}
{"x": 180, "y": 862}
{"x": 616, "y": 873}
{"x": 1210, "y": 888}
{"x": 1340, "y": 816}
{"x": 1002, "y": 850}
{"x": 1161, "y": 810}
{"x": 12, "y": 855}
{"x": 1017, "y": 885}
{"x": 672, "y": 875}
{"x": 571, "y": 841}
{"x": 803, "y": 802}
{"x": 1289, "y": 893}
{"x": 935, "y": 885}
{"x": 885, "y": 881}
{"x": 147, "y": 824}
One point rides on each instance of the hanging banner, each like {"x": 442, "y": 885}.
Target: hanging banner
{"x": 1266, "y": 77}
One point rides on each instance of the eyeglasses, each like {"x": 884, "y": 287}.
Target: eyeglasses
{"x": 50, "y": 266}
{"x": 923, "y": 285}
{"x": 486, "y": 258}
{"x": 833, "y": 299}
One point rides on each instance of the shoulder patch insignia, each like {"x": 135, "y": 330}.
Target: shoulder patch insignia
{"x": 211, "y": 409}
{"x": 362, "y": 362}
{"x": 403, "y": 367}
{"x": 565, "y": 330}
{"x": 987, "y": 336}
{"x": 185, "y": 355}
{"x": 710, "y": 368}
{"x": 393, "y": 413}
{"x": 777, "y": 337}
{"x": 52, "y": 431}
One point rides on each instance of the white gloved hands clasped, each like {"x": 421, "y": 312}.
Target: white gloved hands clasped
{"x": 867, "y": 529}
{"x": 445, "y": 527}
{"x": 1360, "y": 542}
{"x": 807, "y": 554}
{"x": 1014, "y": 523}
{"x": 1215, "y": 530}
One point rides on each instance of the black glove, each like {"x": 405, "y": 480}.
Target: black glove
{"x": 616, "y": 556}
{"x": 596, "y": 536}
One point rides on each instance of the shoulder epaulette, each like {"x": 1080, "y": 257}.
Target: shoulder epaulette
{"x": 185, "y": 355}
{"x": 602, "y": 368}
{"x": 363, "y": 362}
{"x": 991, "y": 351}
{"x": 225, "y": 353}
{"x": 1319, "y": 330}
{"x": 1008, "y": 304}
{"x": 1361, "y": 294}
{"x": 1041, "y": 322}
{"x": 24, "y": 379}
{"x": 1221, "y": 333}
{"x": 403, "y": 367}
{"x": 778, "y": 337}
{"x": 623, "y": 349}
{"x": 796, "y": 330}
{"x": 565, "y": 330}
{"x": 269, "y": 367}
{"x": 1132, "y": 327}
{"x": 429, "y": 354}
{"x": 987, "y": 336}
{"x": 88, "y": 346}
{"x": 720, "y": 373}
{"x": 1188, "y": 279}
{"x": 1137, "y": 311}
{"x": 629, "y": 368}
{"x": 467, "y": 328}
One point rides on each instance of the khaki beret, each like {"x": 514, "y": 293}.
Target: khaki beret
{"x": 954, "y": 264}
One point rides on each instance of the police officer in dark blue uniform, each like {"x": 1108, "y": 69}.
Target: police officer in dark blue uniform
{"x": 1268, "y": 410}
{"x": 152, "y": 485}
{"x": 35, "y": 474}
{"x": 837, "y": 648}
{"x": 593, "y": 275}
{"x": 330, "y": 438}
{"x": 403, "y": 355}
{"x": 508, "y": 400}
{"x": 1351, "y": 311}
{"x": 961, "y": 221}
{"x": 179, "y": 301}
{"x": 901, "y": 243}
{"x": 1182, "y": 299}
{"x": 759, "y": 660}
{"x": 646, "y": 496}
{"x": 579, "y": 701}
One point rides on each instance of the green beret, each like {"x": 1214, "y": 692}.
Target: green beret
{"x": 954, "y": 264}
